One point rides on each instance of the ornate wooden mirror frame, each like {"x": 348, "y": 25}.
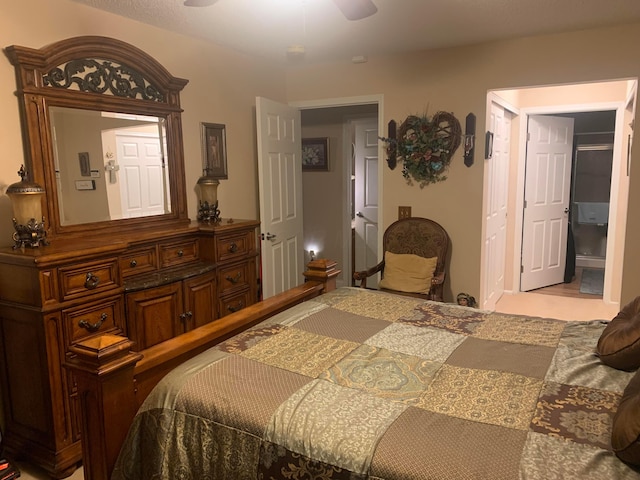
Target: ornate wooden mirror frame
{"x": 96, "y": 73}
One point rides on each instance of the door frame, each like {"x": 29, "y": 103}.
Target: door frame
{"x": 377, "y": 99}
{"x": 611, "y": 254}
{"x": 349, "y": 127}
{"x": 484, "y": 267}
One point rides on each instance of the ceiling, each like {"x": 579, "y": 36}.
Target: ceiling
{"x": 268, "y": 28}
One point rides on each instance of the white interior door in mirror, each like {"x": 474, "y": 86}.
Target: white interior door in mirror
{"x": 141, "y": 175}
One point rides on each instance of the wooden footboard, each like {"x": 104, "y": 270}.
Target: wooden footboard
{"x": 113, "y": 381}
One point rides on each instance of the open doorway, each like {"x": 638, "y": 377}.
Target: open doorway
{"x": 568, "y": 171}
{"x": 578, "y": 101}
{"x": 337, "y": 224}
{"x": 296, "y": 229}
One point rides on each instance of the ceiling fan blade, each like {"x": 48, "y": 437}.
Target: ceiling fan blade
{"x": 356, "y": 9}
{"x": 199, "y": 3}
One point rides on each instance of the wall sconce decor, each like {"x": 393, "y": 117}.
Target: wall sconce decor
{"x": 391, "y": 148}
{"x": 469, "y": 139}
{"x": 488, "y": 145}
{"x": 207, "y": 190}
{"x": 28, "y": 221}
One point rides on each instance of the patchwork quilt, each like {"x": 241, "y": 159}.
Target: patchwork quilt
{"x": 360, "y": 384}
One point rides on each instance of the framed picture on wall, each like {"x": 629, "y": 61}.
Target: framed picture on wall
{"x": 315, "y": 154}
{"x": 214, "y": 148}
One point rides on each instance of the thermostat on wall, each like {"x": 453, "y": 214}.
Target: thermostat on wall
{"x": 85, "y": 185}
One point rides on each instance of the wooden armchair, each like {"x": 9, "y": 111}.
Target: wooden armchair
{"x": 418, "y": 236}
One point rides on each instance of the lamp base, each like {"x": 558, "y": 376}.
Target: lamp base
{"x": 32, "y": 235}
{"x": 209, "y": 213}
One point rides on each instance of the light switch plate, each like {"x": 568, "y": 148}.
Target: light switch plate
{"x": 404, "y": 212}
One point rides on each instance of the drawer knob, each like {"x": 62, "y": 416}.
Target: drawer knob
{"x": 239, "y": 306}
{"x": 180, "y": 253}
{"x": 93, "y": 327}
{"x": 91, "y": 281}
{"x": 233, "y": 248}
{"x": 133, "y": 263}
{"x": 235, "y": 279}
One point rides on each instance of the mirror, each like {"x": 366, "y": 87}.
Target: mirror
{"x": 108, "y": 166}
{"x": 103, "y": 136}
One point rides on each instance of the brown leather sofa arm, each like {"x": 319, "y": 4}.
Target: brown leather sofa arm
{"x": 364, "y": 274}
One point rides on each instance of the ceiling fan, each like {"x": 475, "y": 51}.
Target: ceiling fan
{"x": 352, "y": 9}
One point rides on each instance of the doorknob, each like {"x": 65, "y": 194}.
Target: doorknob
{"x": 271, "y": 236}
{"x": 566, "y": 210}
{"x": 359, "y": 214}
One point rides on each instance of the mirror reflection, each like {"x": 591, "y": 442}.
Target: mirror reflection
{"x": 108, "y": 165}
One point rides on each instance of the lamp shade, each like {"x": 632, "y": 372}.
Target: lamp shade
{"x": 26, "y": 199}
{"x": 208, "y": 189}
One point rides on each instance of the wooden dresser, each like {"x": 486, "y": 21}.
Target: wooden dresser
{"x": 150, "y": 286}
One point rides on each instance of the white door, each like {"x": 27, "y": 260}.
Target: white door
{"x": 366, "y": 196}
{"x": 496, "y": 201}
{"x": 546, "y": 201}
{"x": 141, "y": 174}
{"x": 280, "y": 192}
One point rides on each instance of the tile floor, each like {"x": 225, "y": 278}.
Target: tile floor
{"x": 553, "y": 306}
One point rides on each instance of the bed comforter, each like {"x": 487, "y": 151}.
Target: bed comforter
{"x": 359, "y": 384}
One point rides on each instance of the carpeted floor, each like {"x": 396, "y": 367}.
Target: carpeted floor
{"x": 592, "y": 281}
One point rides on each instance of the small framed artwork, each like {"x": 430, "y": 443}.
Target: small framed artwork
{"x": 315, "y": 154}
{"x": 85, "y": 166}
{"x": 214, "y": 147}
{"x": 488, "y": 145}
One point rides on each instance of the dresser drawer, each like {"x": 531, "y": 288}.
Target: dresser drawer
{"x": 234, "y": 303}
{"x": 105, "y": 316}
{"x": 88, "y": 278}
{"x": 233, "y": 277}
{"x": 139, "y": 261}
{"x": 234, "y": 246}
{"x": 178, "y": 253}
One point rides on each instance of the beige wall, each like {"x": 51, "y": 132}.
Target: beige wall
{"x": 222, "y": 89}
{"x": 457, "y": 80}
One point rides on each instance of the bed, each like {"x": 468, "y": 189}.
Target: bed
{"x": 361, "y": 384}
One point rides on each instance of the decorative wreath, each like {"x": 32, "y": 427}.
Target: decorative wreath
{"x": 424, "y": 146}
